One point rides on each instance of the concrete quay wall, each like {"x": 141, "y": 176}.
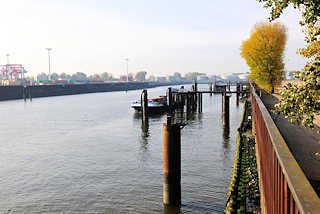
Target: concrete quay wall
{"x": 18, "y": 92}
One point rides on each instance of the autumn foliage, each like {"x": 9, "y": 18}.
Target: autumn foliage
{"x": 263, "y": 52}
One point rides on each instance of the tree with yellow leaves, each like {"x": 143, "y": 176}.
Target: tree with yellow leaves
{"x": 263, "y": 52}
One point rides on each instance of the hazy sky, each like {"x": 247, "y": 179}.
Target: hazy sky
{"x": 159, "y": 36}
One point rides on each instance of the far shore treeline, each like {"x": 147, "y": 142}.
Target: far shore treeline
{"x": 140, "y": 76}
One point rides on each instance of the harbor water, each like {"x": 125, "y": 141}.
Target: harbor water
{"x": 89, "y": 154}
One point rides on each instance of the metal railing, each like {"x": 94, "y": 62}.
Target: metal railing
{"x": 284, "y": 186}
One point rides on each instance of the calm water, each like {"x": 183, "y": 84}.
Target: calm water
{"x": 88, "y": 154}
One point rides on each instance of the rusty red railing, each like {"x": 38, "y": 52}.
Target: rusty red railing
{"x": 284, "y": 186}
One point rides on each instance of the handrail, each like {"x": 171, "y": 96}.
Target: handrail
{"x": 285, "y": 170}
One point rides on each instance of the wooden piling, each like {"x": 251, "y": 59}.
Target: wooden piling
{"x": 144, "y": 105}
{"x": 237, "y": 94}
{"x": 171, "y": 164}
{"x": 24, "y": 93}
{"x": 191, "y": 102}
{"x": 30, "y": 94}
{"x": 171, "y": 210}
{"x": 222, "y": 102}
{"x": 169, "y": 99}
{"x": 199, "y": 105}
{"x": 195, "y": 99}
{"x": 187, "y": 103}
{"x": 210, "y": 88}
{"x": 199, "y": 102}
{"x": 229, "y": 85}
{"x": 225, "y": 110}
{"x": 182, "y": 101}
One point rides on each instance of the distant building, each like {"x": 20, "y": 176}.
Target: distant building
{"x": 151, "y": 79}
{"x": 230, "y": 77}
{"x": 174, "y": 79}
{"x": 233, "y": 77}
{"x": 123, "y": 78}
{"x": 202, "y": 78}
{"x": 130, "y": 78}
{"x": 243, "y": 77}
{"x": 161, "y": 79}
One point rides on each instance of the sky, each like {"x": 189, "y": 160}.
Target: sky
{"x": 160, "y": 37}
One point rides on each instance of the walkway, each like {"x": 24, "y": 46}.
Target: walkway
{"x": 302, "y": 142}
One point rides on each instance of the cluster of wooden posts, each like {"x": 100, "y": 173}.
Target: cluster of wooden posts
{"x": 26, "y": 93}
{"x": 180, "y": 101}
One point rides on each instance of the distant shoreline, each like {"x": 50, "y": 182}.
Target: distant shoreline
{"x": 21, "y": 92}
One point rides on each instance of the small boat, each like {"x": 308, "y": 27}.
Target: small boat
{"x": 155, "y": 105}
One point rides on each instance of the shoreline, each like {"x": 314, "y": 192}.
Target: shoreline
{"x": 30, "y": 92}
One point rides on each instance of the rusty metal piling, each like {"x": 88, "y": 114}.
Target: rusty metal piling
{"x": 171, "y": 164}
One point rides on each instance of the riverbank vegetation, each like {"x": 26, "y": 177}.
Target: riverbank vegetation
{"x": 263, "y": 52}
{"x": 244, "y": 193}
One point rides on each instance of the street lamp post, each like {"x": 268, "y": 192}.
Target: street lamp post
{"x": 49, "y": 49}
{"x": 8, "y": 59}
{"x": 127, "y": 60}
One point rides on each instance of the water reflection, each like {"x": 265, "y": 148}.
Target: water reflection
{"x": 144, "y": 132}
{"x": 132, "y": 181}
{"x": 187, "y": 117}
{"x": 138, "y": 116}
{"x": 200, "y": 116}
{"x": 226, "y": 134}
{"x": 190, "y": 116}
